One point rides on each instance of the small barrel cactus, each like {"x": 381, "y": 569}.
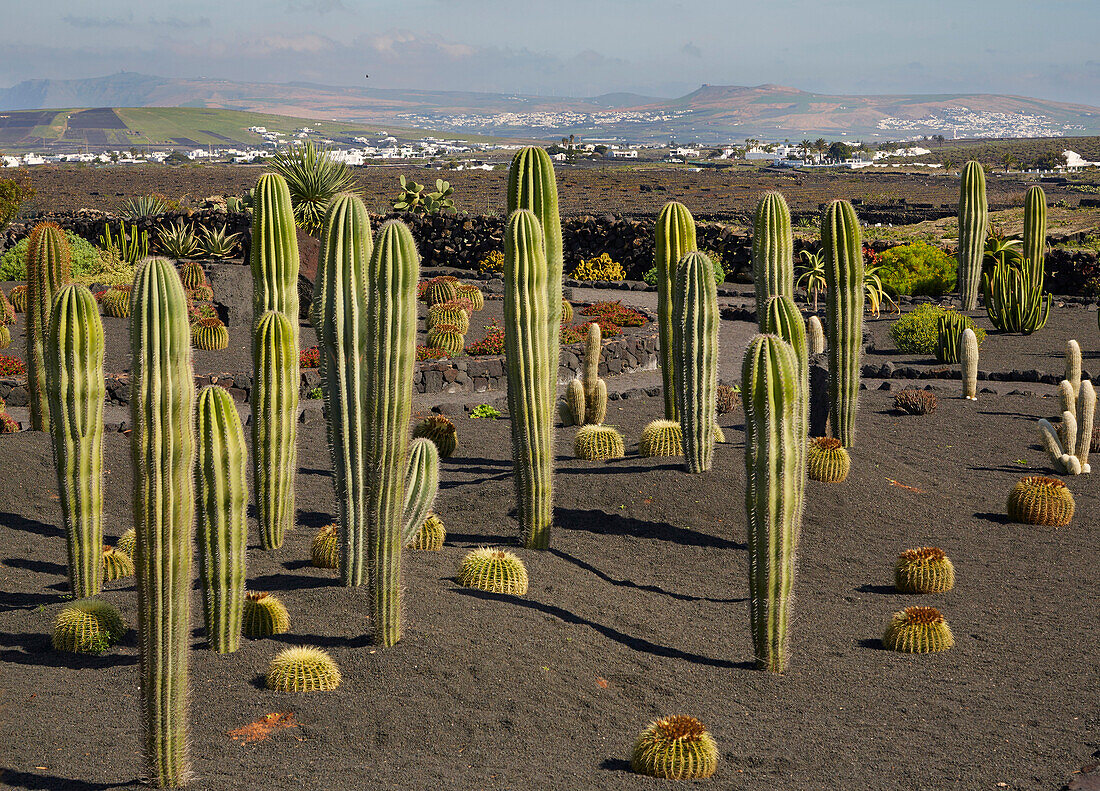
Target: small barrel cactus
{"x": 472, "y": 294}
{"x": 918, "y": 630}
{"x": 454, "y": 312}
{"x": 597, "y": 443}
{"x": 566, "y": 311}
{"x": 924, "y": 570}
{"x": 661, "y": 438}
{"x": 18, "y": 298}
{"x": 448, "y": 338}
{"x": 441, "y": 431}
{"x": 493, "y": 570}
{"x": 210, "y": 334}
{"x": 675, "y": 748}
{"x": 303, "y": 669}
{"x": 192, "y": 275}
{"x": 116, "y": 302}
{"x": 200, "y": 294}
{"x": 440, "y": 290}
{"x": 116, "y": 564}
{"x": 88, "y": 626}
{"x": 264, "y": 615}
{"x": 815, "y": 336}
{"x": 325, "y": 551}
{"x": 127, "y": 542}
{"x": 915, "y": 402}
{"x": 430, "y": 536}
{"x": 827, "y": 460}
{"x": 1038, "y": 500}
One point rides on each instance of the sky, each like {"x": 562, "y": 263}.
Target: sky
{"x": 665, "y": 48}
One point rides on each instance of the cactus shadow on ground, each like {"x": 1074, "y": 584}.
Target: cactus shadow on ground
{"x": 43, "y": 782}
{"x": 40, "y": 566}
{"x": 625, "y": 583}
{"x": 17, "y": 522}
{"x": 36, "y": 649}
{"x": 602, "y": 523}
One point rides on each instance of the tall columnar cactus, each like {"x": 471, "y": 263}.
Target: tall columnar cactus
{"x": 532, "y": 366}
{"x": 421, "y": 486}
{"x": 775, "y": 468}
{"x": 973, "y": 221}
{"x": 675, "y": 238}
{"x": 843, "y": 248}
{"x": 781, "y": 317}
{"x": 221, "y": 473}
{"x": 274, "y": 252}
{"x": 1035, "y": 234}
{"x": 585, "y": 399}
{"x": 75, "y": 389}
{"x": 968, "y": 357}
{"x": 772, "y": 251}
{"x": 275, "y": 426}
{"x": 163, "y": 448}
{"x": 47, "y": 271}
{"x": 695, "y": 356}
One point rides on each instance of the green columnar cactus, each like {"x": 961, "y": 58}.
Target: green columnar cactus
{"x": 973, "y": 221}
{"x": 532, "y": 186}
{"x": 1035, "y": 234}
{"x": 1014, "y": 296}
{"x": 303, "y": 669}
{"x": 221, "y": 472}
{"x": 968, "y": 357}
{"x": 815, "y": 336}
{"x": 275, "y": 426}
{"x": 75, "y": 391}
{"x": 949, "y": 329}
{"x": 781, "y": 317}
{"x": 531, "y": 357}
{"x": 274, "y": 254}
{"x": 47, "y": 271}
{"x": 598, "y": 443}
{"x": 675, "y": 239}
{"x": 843, "y": 248}
{"x": 772, "y": 251}
{"x": 421, "y": 486}
{"x": 163, "y": 448}
{"x": 775, "y": 468}
{"x": 695, "y": 356}
{"x": 585, "y": 399}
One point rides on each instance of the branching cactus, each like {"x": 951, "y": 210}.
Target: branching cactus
{"x": 843, "y": 248}
{"x": 695, "y": 356}
{"x": 75, "y": 389}
{"x": 585, "y": 399}
{"x": 163, "y": 448}
{"x": 1069, "y": 444}
{"x": 973, "y": 221}
{"x": 275, "y": 426}
{"x": 772, "y": 251}
{"x": 221, "y": 473}
{"x": 968, "y": 357}
{"x": 532, "y": 367}
{"x": 675, "y": 239}
{"x": 775, "y": 468}
{"x": 47, "y": 271}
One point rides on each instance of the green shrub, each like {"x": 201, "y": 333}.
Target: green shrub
{"x": 87, "y": 259}
{"x": 917, "y": 269}
{"x": 916, "y": 332}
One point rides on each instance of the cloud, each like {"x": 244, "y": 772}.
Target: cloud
{"x": 178, "y": 23}
{"x": 314, "y": 6}
{"x": 99, "y": 21}
{"x": 691, "y": 50}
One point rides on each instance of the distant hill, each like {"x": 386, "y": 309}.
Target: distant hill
{"x": 711, "y": 114}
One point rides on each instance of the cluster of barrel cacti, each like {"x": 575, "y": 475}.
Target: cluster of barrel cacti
{"x": 451, "y": 303}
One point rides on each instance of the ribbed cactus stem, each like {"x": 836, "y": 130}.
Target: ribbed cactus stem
{"x": 772, "y": 251}
{"x": 781, "y": 317}
{"x": 843, "y": 249}
{"x": 47, "y": 271}
{"x": 1073, "y": 366}
{"x": 221, "y": 474}
{"x": 675, "y": 238}
{"x": 695, "y": 356}
{"x": 421, "y": 486}
{"x": 531, "y": 363}
{"x": 1086, "y": 414}
{"x": 775, "y": 469}
{"x": 275, "y": 426}
{"x": 968, "y": 358}
{"x": 595, "y": 388}
{"x": 75, "y": 389}
{"x": 973, "y": 221}
{"x": 274, "y": 252}
{"x": 339, "y": 313}
{"x": 815, "y": 336}
{"x": 1035, "y": 234}
{"x": 391, "y": 360}
{"x": 162, "y": 445}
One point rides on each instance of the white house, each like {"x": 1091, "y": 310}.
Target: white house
{"x": 622, "y": 153}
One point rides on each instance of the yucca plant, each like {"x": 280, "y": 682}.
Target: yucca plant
{"x": 178, "y": 241}
{"x": 314, "y": 178}
{"x": 217, "y": 244}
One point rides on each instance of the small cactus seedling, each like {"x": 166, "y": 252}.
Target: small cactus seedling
{"x": 924, "y": 570}
{"x": 264, "y": 615}
{"x": 918, "y": 630}
{"x": 675, "y": 748}
{"x": 1037, "y": 500}
{"x": 88, "y": 626}
{"x": 598, "y": 443}
{"x": 116, "y": 564}
{"x": 827, "y": 460}
{"x": 661, "y": 438}
{"x": 448, "y": 338}
{"x": 915, "y": 402}
{"x": 210, "y": 334}
{"x": 472, "y": 294}
{"x": 441, "y": 431}
{"x": 325, "y": 551}
{"x": 430, "y": 536}
{"x": 493, "y": 570}
{"x": 303, "y": 669}
{"x": 126, "y": 542}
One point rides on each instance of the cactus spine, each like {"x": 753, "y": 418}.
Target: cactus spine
{"x": 1069, "y": 445}
{"x": 973, "y": 221}
{"x": 775, "y": 470}
{"x": 274, "y": 426}
{"x": 75, "y": 389}
{"x": 695, "y": 356}
{"x": 1073, "y": 365}
{"x": 47, "y": 272}
{"x": 162, "y": 446}
{"x": 675, "y": 239}
{"x": 531, "y": 359}
{"x": 842, "y": 245}
{"x": 968, "y": 357}
{"x": 772, "y": 251}
{"x": 221, "y": 474}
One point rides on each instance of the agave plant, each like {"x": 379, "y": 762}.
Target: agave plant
{"x": 1001, "y": 248}
{"x": 811, "y": 274}
{"x": 178, "y": 241}
{"x": 215, "y": 244}
{"x": 313, "y": 178}
{"x": 144, "y": 206}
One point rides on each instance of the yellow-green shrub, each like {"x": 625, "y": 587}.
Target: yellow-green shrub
{"x": 600, "y": 267}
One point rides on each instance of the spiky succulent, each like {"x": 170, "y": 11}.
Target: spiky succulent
{"x": 493, "y": 570}
{"x": 313, "y": 178}
{"x": 88, "y": 626}
{"x": 210, "y": 334}
{"x": 675, "y": 748}
{"x": 264, "y": 615}
{"x": 116, "y": 302}
{"x": 216, "y": 244}
{"x": 177, "y": 241}
{"x": 1038, "y": 500}
{"x": 454, "y": 312}
{"x": 728, "y": 398}
{"x": 441, "y": 431}
{"x": 924, "y": 570}
{"x": 430, "y": 536}
{"x": 661, "y": 438}
{"x": 918, "y": 630}
{"x": 303, "y": 668}
{"x": 18, "y": 298}
{"x": 472, "y": 294}
{"x": 827, "y": 460}
{"x": 597, "y": 443}
{"x": 325, "y": 550}
{"x": 448, "y": 338}
{"x": 127, "y": 542}
{"x": 191, "y": 275}
{"x": 440, "y": 290}
{"x": 116, "y": 564}
{"x": 915, "y": 402}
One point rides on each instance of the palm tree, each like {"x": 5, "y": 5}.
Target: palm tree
{"x": 812, "y": 274}
{"x": 820, "y": 146}
{"x": 1008, "y": 161}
